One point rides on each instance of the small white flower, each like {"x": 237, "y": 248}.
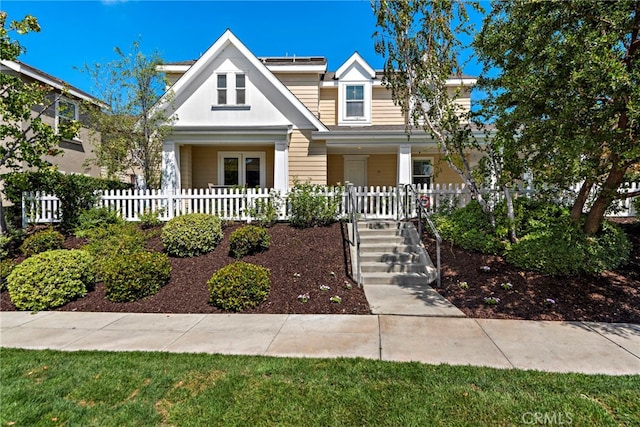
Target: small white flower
{"x": 324, "y": 288}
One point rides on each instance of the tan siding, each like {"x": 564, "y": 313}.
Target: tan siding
{"x": 205, "y": 163}
{"x": 186, "y": 166}
{"x": 329, "y": 106}
{"x": 307, "y": 158}
{"x": 381, "y": 169}
{"x": 383, "y": 111}
{"x": 305, "y": 87}
{"x": 443, "y": 174}
{"x": 335, "y": 169}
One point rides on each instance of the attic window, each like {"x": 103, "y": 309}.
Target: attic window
{"x": 66, "y": 112}
{"x": 231, "y": 91}
{"x": 222, "y": 89}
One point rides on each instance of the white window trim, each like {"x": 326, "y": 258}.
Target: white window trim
{"x": 76, "y": 115}
{"x": 232, "y": 91}
{"x": 342, "y": 96}
{"x": 241, "y": 155}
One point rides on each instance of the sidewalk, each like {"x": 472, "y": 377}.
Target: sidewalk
{"x": 586, "y": 347}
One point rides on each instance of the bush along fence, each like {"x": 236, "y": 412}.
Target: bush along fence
{"x": 240, "y": 204}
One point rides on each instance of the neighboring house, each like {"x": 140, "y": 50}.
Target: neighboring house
{"x": 66, "y": 104}
{"x": 263, "y": 122}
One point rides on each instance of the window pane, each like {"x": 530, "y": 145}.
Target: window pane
{"x": 222, "y": 96}
{"x": 252, "y": 171}
{"x": 422, "y": 167}
{"x": 222, "y": 81}
{"x": 239, "y": 80}
{"x": 231, "y": 172}
{"x": 355, "y": 109}
{"x": 66, "y": 110}
{"x": 355, "y": 93}
{"x": 240, "y": 96}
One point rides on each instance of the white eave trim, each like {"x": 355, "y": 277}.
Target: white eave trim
{"x": 30, "y": 72}
{"x": 173, "y": 68}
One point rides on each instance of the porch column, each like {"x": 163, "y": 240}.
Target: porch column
{"x": 281, "y": 166}
{"x": 170, "y": 166}
{"x": 404, "y": 164}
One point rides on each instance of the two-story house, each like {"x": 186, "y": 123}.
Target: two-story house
{"x": 263, "y": 122}
{"x": 64, "y": 102}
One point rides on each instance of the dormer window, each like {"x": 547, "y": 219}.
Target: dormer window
{"x": 355, "y": 101}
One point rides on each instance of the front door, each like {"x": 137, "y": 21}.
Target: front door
{"x": 355, "y": 170}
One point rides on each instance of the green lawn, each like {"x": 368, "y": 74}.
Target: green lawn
{"x": 52, "y": 388}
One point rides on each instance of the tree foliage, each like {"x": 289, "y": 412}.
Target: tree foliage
{"x": 565, "y": 93}
{"x": 24, "y": 136}
{"x": 132, "y": 129}
{"x": 421, "y": 43}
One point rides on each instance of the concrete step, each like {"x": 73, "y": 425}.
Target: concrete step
{"x": 390, "y": 248}
{"x": 372, "y": 239}
{"x": 392, "y": 267}
{"x": 377, "y": 225}
{"x": 390, "y": 257}
{"x": 400, "y": 279}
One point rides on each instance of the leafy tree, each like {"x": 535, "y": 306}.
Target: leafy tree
{"x": 565, "y": 96}
{"x": 24, "y": 137}
{"x": 421, "y": 43}
{"x": 132, "y": 129}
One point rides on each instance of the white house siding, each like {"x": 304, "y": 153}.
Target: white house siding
{"x": 307, "y": 158}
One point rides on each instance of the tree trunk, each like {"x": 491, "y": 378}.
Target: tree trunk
{"x": 607, "y": 195}
{"x": 581, "y": 199}
{"x": 3, "y": 222}
{"x": 510, "y": 214}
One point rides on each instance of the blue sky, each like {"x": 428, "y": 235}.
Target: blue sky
{"x": 75, "y": 33}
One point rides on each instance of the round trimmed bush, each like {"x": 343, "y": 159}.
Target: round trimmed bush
{"x": 41, "y": 241}
{"x": 248, "y": 240}
{"x": 50, "y": 279}
{"x": 133, "y": 276}
{"x": 192, "y": 235}
{"x": 239, "y": 286}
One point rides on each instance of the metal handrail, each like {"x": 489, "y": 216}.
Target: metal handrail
{"x": 352, "y": 213}
{"x": 420, "y": 210}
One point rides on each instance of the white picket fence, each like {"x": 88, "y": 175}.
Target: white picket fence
{"x": 233, "y": 203}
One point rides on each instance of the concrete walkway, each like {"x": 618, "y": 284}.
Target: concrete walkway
{"x": 592, "y": 348}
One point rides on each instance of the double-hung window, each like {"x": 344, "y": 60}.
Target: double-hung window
{"x": 222, "y": 89}
{"x": 240, "y": 89}
{"x": 422, "y": 172}
{"x": 355, "y": 101}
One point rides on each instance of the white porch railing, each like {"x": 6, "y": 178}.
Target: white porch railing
{"x": 233, "y": 203}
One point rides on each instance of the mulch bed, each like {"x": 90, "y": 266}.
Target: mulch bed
{"x": 319, "y": 256}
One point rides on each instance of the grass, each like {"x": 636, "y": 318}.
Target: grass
{"x": 52, "y": 388}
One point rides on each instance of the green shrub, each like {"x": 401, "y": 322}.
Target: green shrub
{"x": 150, "y": 218}
{"x": 561, "y": 248}
{"x": 470, "y": 228}
{"x": 50, "y": 279}
{"x": 191, "y": 235}
{"x": 76, "y": 192}
{"x": 130, "y": 277}
{"x": 248, "y": 240}
{"x": 115, "y": 239}
{"x": 313, "y": 205}
{"x": 239, "y": 286}
{"x": 6, "y": 267}
{"x": 92, "y": 218}
{"x": 41, "y": 241}
{"x": 266, "y": 211}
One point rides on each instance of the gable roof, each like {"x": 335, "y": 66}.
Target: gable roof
{"x": 228, "y": 38}
{"x": 20, "y": 67}
{"x": 355, "y": 59}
